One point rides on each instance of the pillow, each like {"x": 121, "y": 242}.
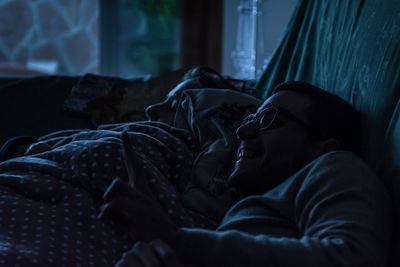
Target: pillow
{"x": 213, "y": 115}
{"x": 107, "y": 100}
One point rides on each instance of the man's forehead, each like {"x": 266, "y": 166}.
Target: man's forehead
{"x": 296, "y": 103}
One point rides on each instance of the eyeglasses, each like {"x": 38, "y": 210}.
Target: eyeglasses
{"x": 266, "y": 118}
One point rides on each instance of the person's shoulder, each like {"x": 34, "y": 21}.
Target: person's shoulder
{"x": 339, "y": 154}
{"x": 339, "y": 167}
{"x": 340, "y": 159}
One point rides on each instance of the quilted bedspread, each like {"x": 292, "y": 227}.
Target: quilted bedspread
{"x": 49, "y": 202}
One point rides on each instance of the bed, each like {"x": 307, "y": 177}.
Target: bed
{"x": 350, "y": 48}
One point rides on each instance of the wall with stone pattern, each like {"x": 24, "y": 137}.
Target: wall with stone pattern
{"x": 65, "y": 31}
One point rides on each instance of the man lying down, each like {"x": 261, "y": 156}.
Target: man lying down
{"x": 51, "y": 197}
{"x": 307, "y": 198}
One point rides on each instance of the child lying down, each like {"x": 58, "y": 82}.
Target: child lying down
{"x": 51, "y": 197}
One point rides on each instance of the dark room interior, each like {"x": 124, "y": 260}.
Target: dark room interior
{"x": 199, "y": 133}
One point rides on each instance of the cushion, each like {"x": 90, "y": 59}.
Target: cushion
{"x": 213, "y": 115}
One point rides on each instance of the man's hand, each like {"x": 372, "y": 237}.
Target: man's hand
{"x": 155, "y": 253}
{"x": 141, "y": 214}
{"x": 132, "y": 204}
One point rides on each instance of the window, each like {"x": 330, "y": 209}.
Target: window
{"x": 49, "y": 37}
{"x": 125, "y": 38}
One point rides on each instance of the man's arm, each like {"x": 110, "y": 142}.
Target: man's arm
{"x": 341, "y": 210}
{"x": 343, "y": 217}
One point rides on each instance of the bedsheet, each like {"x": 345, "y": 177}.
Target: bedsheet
{"x": 49, "y": 202}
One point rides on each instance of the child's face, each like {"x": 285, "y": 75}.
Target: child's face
{"x": 165, "y": 111}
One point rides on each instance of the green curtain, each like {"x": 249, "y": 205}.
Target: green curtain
{"x": 352, "y": 49}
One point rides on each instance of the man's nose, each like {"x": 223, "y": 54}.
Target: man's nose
{"x": 247, "y": 130}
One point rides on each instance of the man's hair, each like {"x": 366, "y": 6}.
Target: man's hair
{"x": 330, "y": 116}
{"x": 208, "y": 78}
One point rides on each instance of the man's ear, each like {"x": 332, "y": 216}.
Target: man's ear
{"x": 330, "y": 144}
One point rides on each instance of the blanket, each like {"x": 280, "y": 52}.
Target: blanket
{"x": 49, "y": 202}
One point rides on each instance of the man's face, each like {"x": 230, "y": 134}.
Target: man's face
{"x": 266, "y": 158}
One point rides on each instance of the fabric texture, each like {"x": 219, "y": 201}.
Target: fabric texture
{"x": 333, "y": 212}
{"x": 106, "y": 100}
{"x": 49, "y": 202}
{"x": 55, "y": 195}
{"x": 12, "y": 143}
{"x": 213, "y": 115}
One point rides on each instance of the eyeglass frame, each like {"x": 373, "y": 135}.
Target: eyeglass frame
{"x": 258, "y": 116}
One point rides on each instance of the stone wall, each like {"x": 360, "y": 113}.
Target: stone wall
{"x": 64, "y": 32}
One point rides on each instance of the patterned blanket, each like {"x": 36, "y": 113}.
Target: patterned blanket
{"x": 49, "y": 202}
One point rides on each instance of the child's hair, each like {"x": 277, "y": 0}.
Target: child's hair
{"x": 208, "y": 78}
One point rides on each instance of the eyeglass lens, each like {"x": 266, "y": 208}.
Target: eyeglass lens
{"x": 266, "y": 118}
{"x": 263, "y": 119}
